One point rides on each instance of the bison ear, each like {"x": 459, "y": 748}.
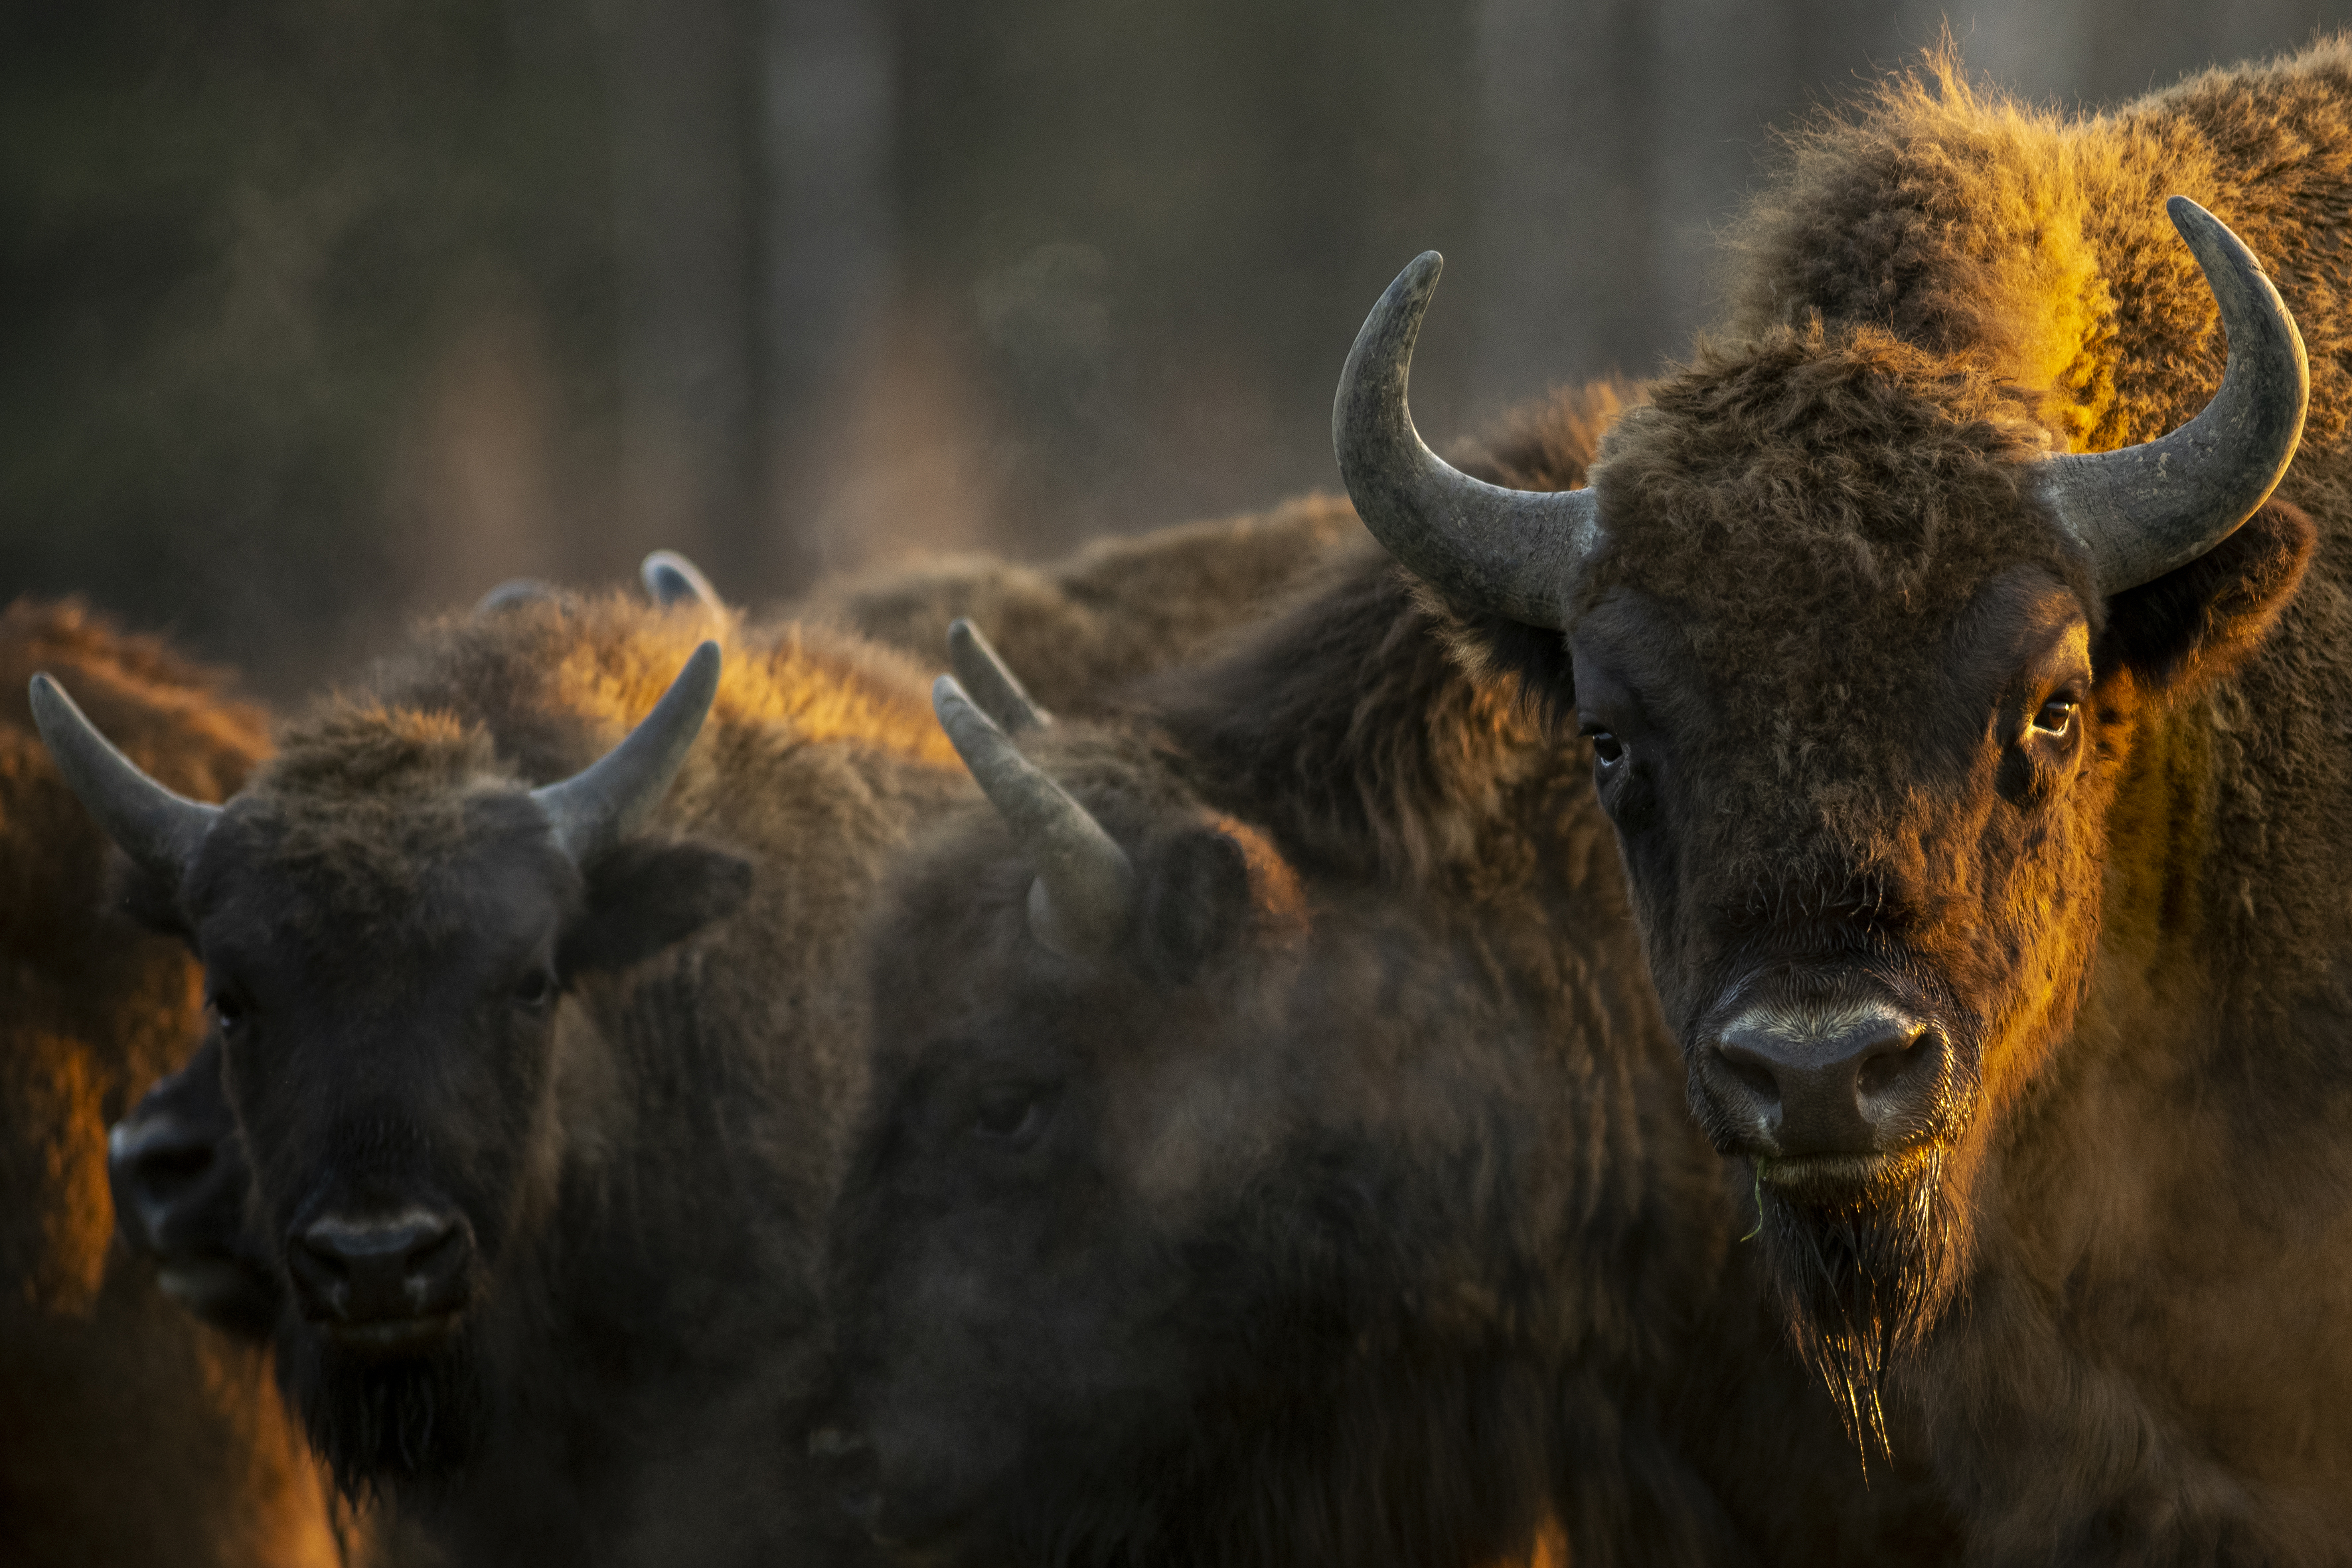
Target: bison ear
{"x": 2197, "y": 623}
{"x": 643, "y": 896}
{"x": 1206, "y": 889}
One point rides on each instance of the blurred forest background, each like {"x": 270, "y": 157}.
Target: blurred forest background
{"x": 316, "y": 313}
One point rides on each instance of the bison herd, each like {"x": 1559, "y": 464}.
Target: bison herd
{"x": 1762, "y": 973}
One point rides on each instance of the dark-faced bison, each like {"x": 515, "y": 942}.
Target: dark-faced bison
{"x": 1275, "y": 1154}
{"x": 130, "y": 1435}
{"x": 827, "y": 717}
{"x": 536, "y": 1054}
{"x": 1974, "y": 736}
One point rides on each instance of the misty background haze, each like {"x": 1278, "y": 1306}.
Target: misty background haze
{"x": 317, "y": 314}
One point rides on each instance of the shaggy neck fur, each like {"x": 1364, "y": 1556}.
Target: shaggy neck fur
{"x": 1936, "y": 282}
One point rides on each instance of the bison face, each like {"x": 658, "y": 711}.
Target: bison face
{"x": 1869, "y": 887}
{"x": 1864, "y": 665}
{"x": 1024, "y": 1249}
{"x": 1038, "y": 1265}
{"x": 1868, "y": 851}
{"x": 388, "y": 925}
{"x": 387, "y": 1044}
{"x": 389, "y": 1003}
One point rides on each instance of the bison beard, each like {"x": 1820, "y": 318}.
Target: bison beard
{"x": 1863, "y": 1279}
{"x": 389, "y": 1426}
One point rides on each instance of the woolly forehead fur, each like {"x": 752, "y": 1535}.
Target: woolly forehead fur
{"x": 383, "y": 777}
{"x": 1940, "y": 285}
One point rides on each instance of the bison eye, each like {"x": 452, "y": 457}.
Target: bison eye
{"x": 535, "y": 990}
{"x": 1009, "y": 1113}
{"x": 227, "y": 1012}
{"x": 1606, "y": 749}
{"x": 2056, "y": 716}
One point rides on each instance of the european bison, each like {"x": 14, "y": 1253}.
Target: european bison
{"x": 1116, "y": 610}
{"x": 1981, "y": 778}
{"x": 537, "y": 1056}
{"x": 131, "y": 1435}
{"x": 176, "y": 1163}
{"x": 1275, "y": 1154}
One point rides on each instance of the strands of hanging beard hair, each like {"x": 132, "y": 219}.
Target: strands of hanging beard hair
{"x": 1861, "y": 1284}
{"x": 386, "y": 1427}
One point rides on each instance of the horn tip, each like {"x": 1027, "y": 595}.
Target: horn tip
{"x": 1419, "y": 278}
{"x": 671, "y": 579}
{"x": 50, "y": 703}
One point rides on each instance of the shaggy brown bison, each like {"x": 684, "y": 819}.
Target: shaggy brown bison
{"x": 1114, "y": 610}
{"x": 537, "y": 1056}
{"x": 1275, "y": 1154}
{"x": 131, "y": 1435}
{"x": 1119, "y": 609}
{"x": 1981, "y": 777}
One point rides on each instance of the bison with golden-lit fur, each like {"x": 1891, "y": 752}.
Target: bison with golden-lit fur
{"x": 133, "y": 1435}
{"x": 1277, "y": 1156}
{"x": 1971, "y": 718}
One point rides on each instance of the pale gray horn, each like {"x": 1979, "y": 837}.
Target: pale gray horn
{"x": 990, "y": 683}
{"x": 671, "y": 579}
{"x": 514, "y": 592}
{"x": 2143, "y": 511}
{"x": 1522, "y": 555}
{"x": 597, "y": 807}
{"x": 1084, "y": 893}
{"x": 159, "y": 828}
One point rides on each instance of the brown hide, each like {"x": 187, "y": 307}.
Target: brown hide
{"x": 131, "y": 1435}
{"x": 2114, "y": 1313}
{"x": 1120, "y": 608}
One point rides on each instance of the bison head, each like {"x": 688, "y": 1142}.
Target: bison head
{"x": 177, "y": 1168}
{"x": 1862, "y": 665}
{"x": 1121, "y": 1270}
{"x": 388, "y": 925}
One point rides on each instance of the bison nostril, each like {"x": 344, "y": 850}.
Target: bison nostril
{"x": 1753, "y": 1075}
{"x": 1885, "y": 1066}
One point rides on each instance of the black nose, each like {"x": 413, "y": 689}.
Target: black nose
{"x": 1828, "y": 1081}
{"x": 162, "y": 1169}
{"x": 381, "y": 1269}
{"x": 177, "y": 1171}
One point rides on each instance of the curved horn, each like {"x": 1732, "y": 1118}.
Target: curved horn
{"x": 990, "y": 683}
{"x": 596, "y": 807}
{"x": 670, "y": 579}
{"x": 1083, "y": 896}
{"x": 159, "y": 828}
{"x": 1519, "y": 554}
{"x": 514, "y": 591}
{"x": 2144, "y": 511}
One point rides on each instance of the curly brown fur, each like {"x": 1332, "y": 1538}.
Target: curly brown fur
{"x": 135, "y": 1436}
{"x": 1344, "y": 1212}
{"x": 640, "y": 1156}
{"x": 1824, "y": 576}
{"x": 1549, "y": 444}
{"x": 1118, "y": 609}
